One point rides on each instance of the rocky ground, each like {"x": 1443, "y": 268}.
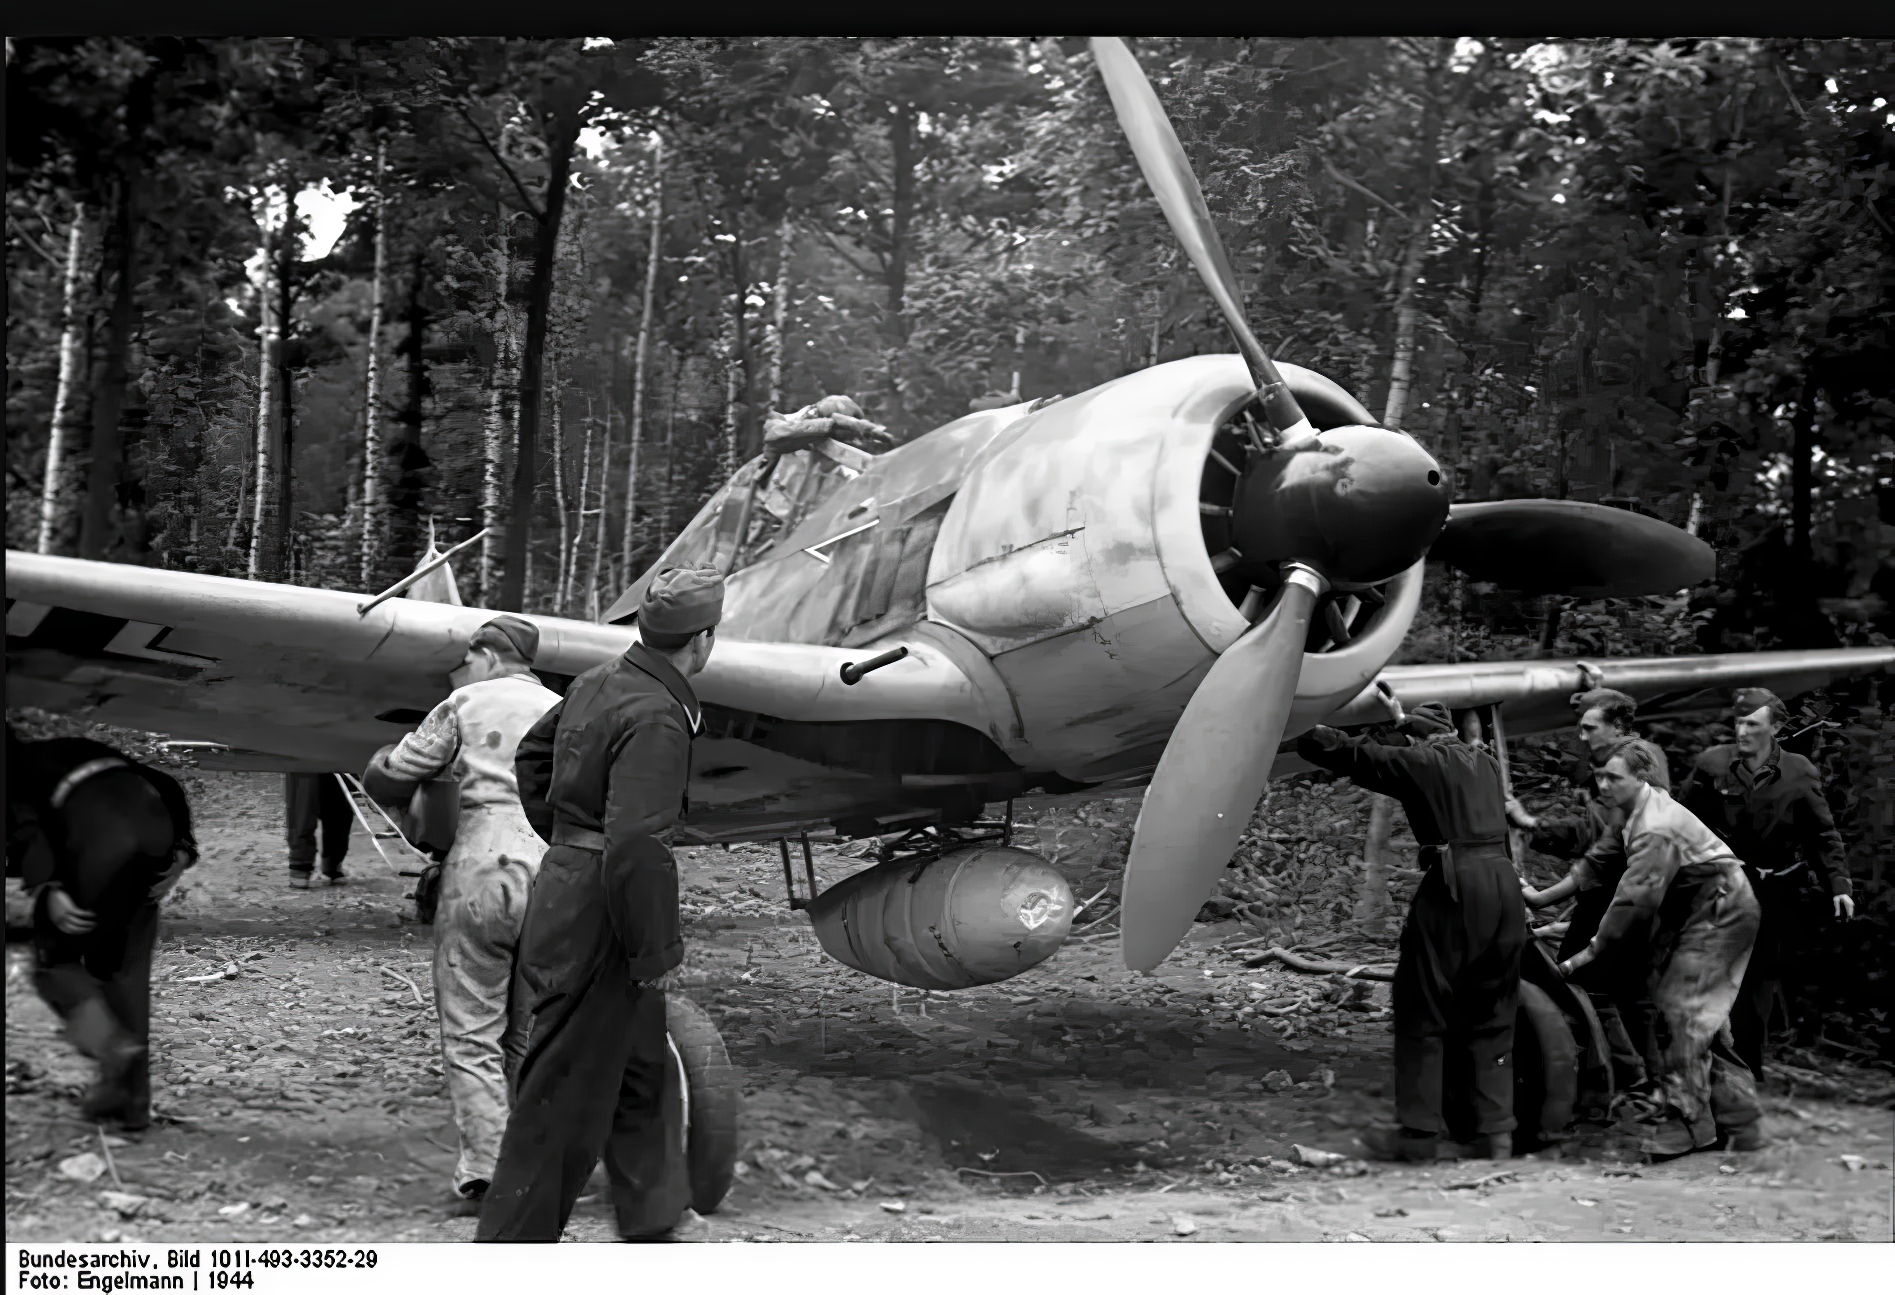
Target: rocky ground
{"x": 300, "y": 1096}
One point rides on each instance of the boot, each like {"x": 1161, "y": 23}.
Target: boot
{"x": 1416, "y": 1146}
{"x": 1745, "y": 1137}
{"x": 299, "y": 878}
{"x": 1491, "y": 1146}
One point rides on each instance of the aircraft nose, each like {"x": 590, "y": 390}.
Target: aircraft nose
{"x": 1360, "y": 505}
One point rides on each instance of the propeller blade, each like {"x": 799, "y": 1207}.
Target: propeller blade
{"x": 1212, "y": 772}
{"x": 1561, "y": 546}
{"x": 1168, "y": 174}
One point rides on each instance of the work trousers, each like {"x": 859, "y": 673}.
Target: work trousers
{"x": 1702, "y": 1084}
{"x": 309, "y": 800}
{"x": 485, "y": 883}
{"x": 100, "y": 985}
{"x": 1457, "y": 987}
{"x": 599, "y": 1077}
{"x": 1782, "y": 964}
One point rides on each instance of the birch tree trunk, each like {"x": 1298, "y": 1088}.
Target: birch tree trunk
{"x": 605, "y": 495}
{"x": 1421, "y": 225}
{"x": 652, "y": 259}
{"x": 57, "y": 495}
{"x": 493, "y": 440}
{"x": 559, "y": 490}
{"x": 728, "y": 459}
{"x": 373, "y": 522}
{"x": 286, "y": 250}
{"x": 780, "y": 313}
{"x": 579, "y": 517}
{"x": 267, "y": 347}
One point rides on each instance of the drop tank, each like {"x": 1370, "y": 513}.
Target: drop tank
{"x": 969, "y": 918}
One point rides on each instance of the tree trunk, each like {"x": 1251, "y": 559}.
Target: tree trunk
{"x": 374, "y": 523}
{"x": 671, "y": 428}
{"x": 493, "y": 447}
{"x": 102, "y": 475}
{"x": 57, "y": 494}
{"x": 562, "y": 135}
{"x": 747, "y": 436}
{"x": 286, "y": 379}
{"x": 1407, "y": 310}
{"x": 901, "y": 143}
{"x": 728, "y": 459}
{"x": 560, "y": 569}
{"x": 579, "y": 518}
{"x": 653, "y": 256}
{"x": 1371, "y": 906}
{"x": 605, "y": 498}
{"x": 409, "y": 460}
{"x": 262, "y": 528}
{"x": 780, "y": 313}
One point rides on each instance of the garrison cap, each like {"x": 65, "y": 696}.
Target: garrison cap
{"x": 1428, "y": 718}
{"x": 509, "y": 634}
{"x": 683, "y": 600}
{"x": 1748, "y": 700}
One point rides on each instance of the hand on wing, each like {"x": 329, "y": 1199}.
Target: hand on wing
{"x": 66, "y": 914}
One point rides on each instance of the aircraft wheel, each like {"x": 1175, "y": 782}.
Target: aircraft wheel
{"x": 1545, "y": 1069}
{"x": 715, "y": 1095}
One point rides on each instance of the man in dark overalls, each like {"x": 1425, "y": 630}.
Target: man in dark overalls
{"x": 97, "y": 840}
{"x": 1457, "y": 982}
{"x": 603, "y": 775}
{"x": 1767, "y": 804}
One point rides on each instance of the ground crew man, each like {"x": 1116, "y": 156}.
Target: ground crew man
{"x": 1457, "y": 982}
{"x": 485, "y": 879}
{"x": 1621, "y": 1001}
{"x": 97, "y": 840}
{"x": 604, "y": 775}
{"x": 1767, "y": 804}
{"x": 311, "y": 800}
{"x": 1683, "y": 912}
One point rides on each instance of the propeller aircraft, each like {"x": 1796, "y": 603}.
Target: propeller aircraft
{"x": 1157, "y": 581}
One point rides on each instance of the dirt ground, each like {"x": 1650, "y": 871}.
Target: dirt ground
{"x": 299, "y": 1093}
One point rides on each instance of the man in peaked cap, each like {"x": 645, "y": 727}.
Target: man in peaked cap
{"x": 485, "y": 879}
{"x": 1768, "y": 805}
{"x": 1457, "y": 982}
{"x": 603, "y": 776}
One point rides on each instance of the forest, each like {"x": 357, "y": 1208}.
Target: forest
{"x": 289, "y": 309}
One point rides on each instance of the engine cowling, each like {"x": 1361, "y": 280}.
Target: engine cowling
{"x": 968, "y": 918}
{"x": 1078, "y": 556}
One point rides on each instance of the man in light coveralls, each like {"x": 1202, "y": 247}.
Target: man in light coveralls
{"x": 488, "y": 874}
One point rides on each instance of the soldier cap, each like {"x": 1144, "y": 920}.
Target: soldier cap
{"x": 1429, "y": 717}
{"x": 682, "y": 601}
{"x": 509, "y": 636}
{"x": 1748, "y": 700}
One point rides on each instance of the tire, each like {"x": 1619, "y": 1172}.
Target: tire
{"x": 1546, "y": 1069}
{"x": 714, "y": 1096}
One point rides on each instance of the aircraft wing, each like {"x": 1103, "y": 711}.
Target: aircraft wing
{"x": 293, "y": 678}
{"x": 1532, "y": 695}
